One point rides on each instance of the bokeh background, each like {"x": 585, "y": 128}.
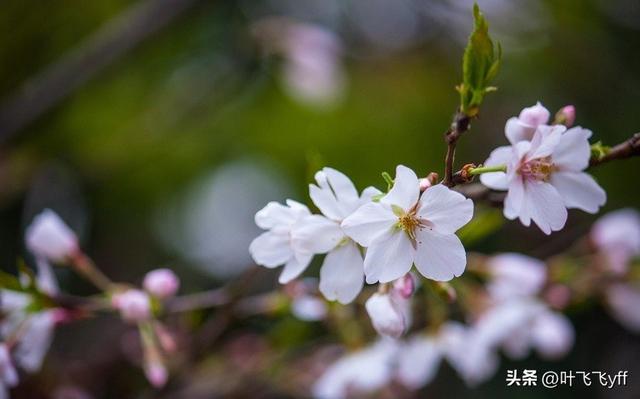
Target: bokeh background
{"x": 158, "y": 128}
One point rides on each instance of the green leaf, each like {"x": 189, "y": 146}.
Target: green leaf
{"x": 480, "y": 65}
{"x": 10, "y": 282}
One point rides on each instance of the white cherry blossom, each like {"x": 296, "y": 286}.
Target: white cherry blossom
{"x": 617, "y": 237}
{"x": 545, "y": 177}
{"x": 523, "y": 323}
{"x": 359, "y": 372}
{"x": 294, "y": 235}
{"x": 36, "y": 327}
{"x": 406, "y": 228}
{"x": 342, "y": 272}
{"x": 515, "y": 275}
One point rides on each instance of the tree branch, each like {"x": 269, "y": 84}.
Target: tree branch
{"x": 627, "y": 149}
{"x": 461, "y": 123}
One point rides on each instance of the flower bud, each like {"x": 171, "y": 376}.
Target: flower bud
{"x": 50, "y": 238}
{"x": 162, "y": 283}
{"x": 566, "y": 116}
{"x": 134, "y": 305}
{"x": 387, "y": 315}
{"x": 156, "y": 373}
{"x": 534, "y": 116}
{"x": 8, "y": 373}
{"x": 405, "y": 286}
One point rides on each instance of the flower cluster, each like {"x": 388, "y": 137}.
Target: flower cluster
{"x": 544, "y": 170}
{"x": 395, "y": 230}
{"x": 30, "y": 314}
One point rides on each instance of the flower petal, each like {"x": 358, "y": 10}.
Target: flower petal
{"x": 271, "y": 249}
{"x": 579, "y": 190}
{"x": 573, "y": 150}
{"x": 274, "y": 214}
{"x": 545, "y": 140}
{"x": 325, "y": 201}
{"x": 315, "y": 234}
{"x": 552, "y": 335}
{"x": 35, "y": 341}
{"x": 294, "y": 267}
{"x": 368, "y": 194}
{"x": 341, "y": 185}
{"x": 448, "y": 210}
{"x": 514, "y": 202}
{"x": 517, "y": 131}
{"x": 342, "y": 273}
{"x": 405, "y": 190}
{"x": 535, "y": 115}
{"x": 545, "y": 206}
{"x": 440, "y": 257}
{"x": 497, "y": 180}
{"x": 370, "y": 221}
{"x": 389, "y": 257}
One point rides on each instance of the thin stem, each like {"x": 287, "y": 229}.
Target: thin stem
{"x": 487, "y": 169}
{"x": 200, "y": 300}
{"x": 85, "y": 266}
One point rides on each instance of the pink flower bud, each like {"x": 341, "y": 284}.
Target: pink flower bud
{"x": 134, "y": 305}
{"x": 157, "y": 374}
{"x": 404, "y": 286}
{"x": 50, "y": 238}
{"x": 162, "y": 283}
{"x": 534, "y": 116}
{"x": 424, "y": 184}
{"x": 388, "y": 316}
{"x": 566, "y": 115}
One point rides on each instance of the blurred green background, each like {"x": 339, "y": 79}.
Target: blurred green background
{"x": 123, "y": 155}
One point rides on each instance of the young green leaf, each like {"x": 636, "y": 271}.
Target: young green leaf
{"x": 480, "y": 65}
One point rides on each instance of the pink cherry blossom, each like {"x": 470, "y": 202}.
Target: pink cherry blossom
{"x": 545, "y": 177}
{"x": 406, "y": 228}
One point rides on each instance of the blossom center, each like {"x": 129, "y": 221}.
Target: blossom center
{"x": 537, "y": 169}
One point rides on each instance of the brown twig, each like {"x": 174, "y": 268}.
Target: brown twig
{"x": 627, "y": 149}
{"x": 461, "y": 123}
